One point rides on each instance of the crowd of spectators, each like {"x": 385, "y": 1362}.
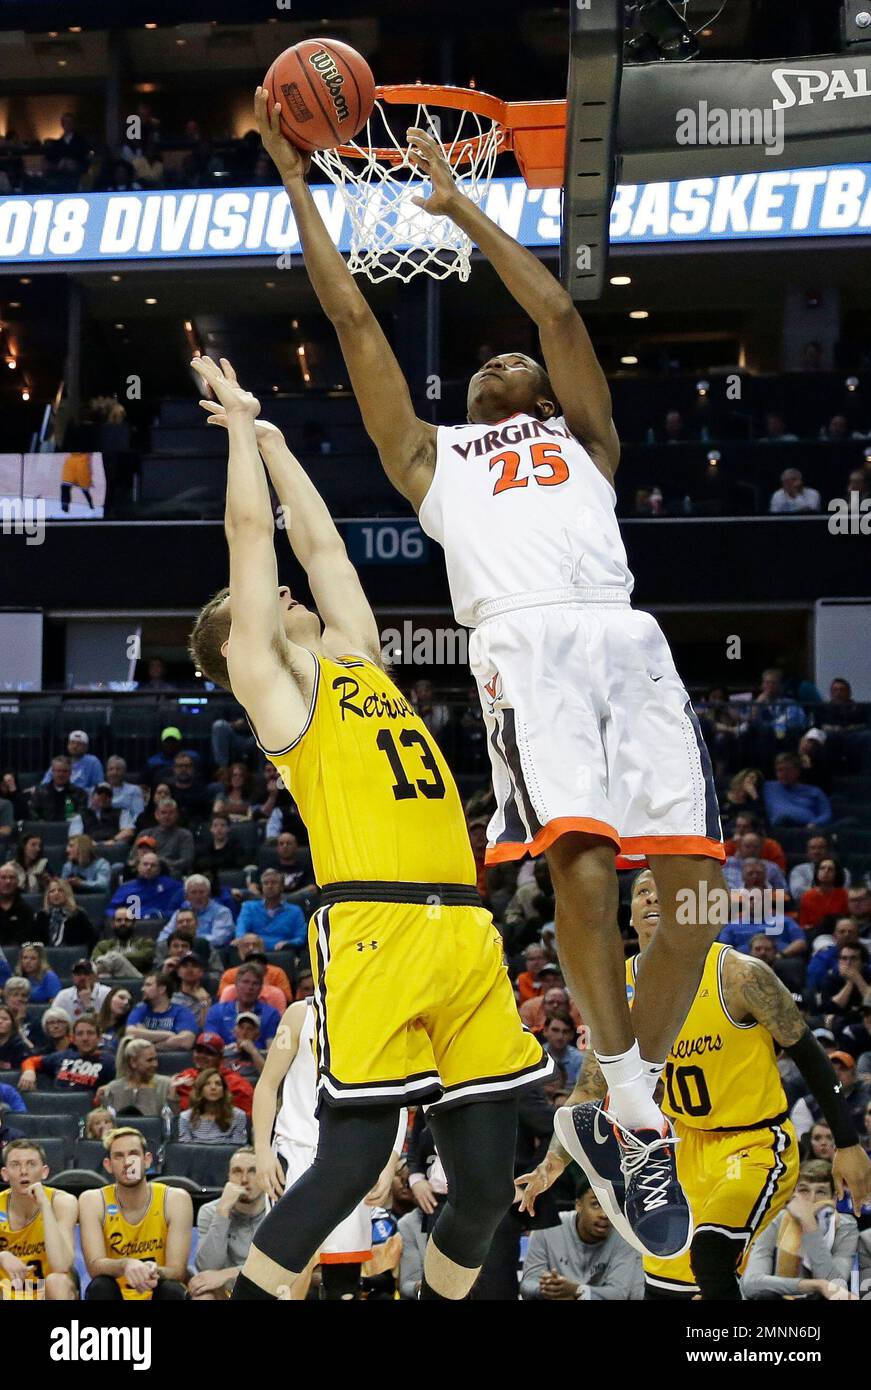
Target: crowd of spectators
{"x": 153, "y": 930}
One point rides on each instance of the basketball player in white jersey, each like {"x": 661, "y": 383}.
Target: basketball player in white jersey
{"x": 593, "y": 742}
{"x": 286, "y": 1141}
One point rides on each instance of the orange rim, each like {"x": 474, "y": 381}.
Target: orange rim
{"x": 455, "y": 98}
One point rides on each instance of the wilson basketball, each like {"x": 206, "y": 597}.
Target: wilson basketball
{"x": 326, "y": 90}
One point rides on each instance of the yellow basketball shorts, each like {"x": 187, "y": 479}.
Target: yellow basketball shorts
{"x": 736, "y": 1181}
{"x": 413, "y": 1000}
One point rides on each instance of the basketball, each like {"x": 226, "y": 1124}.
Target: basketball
{"x": 326, "y": 90}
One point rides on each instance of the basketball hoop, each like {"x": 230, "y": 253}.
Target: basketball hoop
{"x": 393, "y": 238}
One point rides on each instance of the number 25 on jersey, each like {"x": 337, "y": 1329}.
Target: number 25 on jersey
{"x": 547, "y": 467}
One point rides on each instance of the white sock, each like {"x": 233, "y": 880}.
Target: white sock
{"x": 652, "y": 1073}
{"x": 630, "y": 1098}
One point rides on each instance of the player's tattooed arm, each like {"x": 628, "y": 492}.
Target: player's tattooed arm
{"x": 590, "y": 1085}
{"x": 753, "y": 991}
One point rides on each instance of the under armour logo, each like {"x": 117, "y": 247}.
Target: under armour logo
{"x": 703, "y": 994}
{"x": 367, "y": 945}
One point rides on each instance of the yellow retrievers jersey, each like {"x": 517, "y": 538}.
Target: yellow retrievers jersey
{"x": 28, "y": 1242}
{"x": 719, "y": 1074}
{"x": 371, "y": 784}
{"x": 144, "y": 1241}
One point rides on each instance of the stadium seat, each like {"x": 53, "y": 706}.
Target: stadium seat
{"x": 247, "y": 835}
{"x": 168, "y": 1063}
{"x": 58, "y": 1102}
{"x": 76, "y": 1180}
{"x": 35, "y": 1012}
{"x": 286, "y": 961}
{"x": 134, "y": 984}
{"x": 206, "y": 1164}
{"x": 55, "y": 1154}
{"x": 64, "y": 1127}
{"x": 114, "y": 854}
{"x": 63, "y": 958}
{"x": 94, "y": 907}
{"x": 10, "y": 1078}
{"x": 89, "y": 1154}
{"x": 53, "y": 832}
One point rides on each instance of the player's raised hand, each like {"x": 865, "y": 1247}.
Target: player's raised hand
{"x": 222, "y": 380}
{"x": 426, "y": 155}
{"x": 851, "y": 1171}
{"x": 217, "y": 415}
{"x": 529, "y": 1186}
{"x": 290, "y": 162}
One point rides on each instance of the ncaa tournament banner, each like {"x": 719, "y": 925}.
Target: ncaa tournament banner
{"x": 66, "y": 228}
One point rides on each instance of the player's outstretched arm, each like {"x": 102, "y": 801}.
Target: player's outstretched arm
{"x": 577, "y": 378}
{"x": 405, "y": 443}
{"x": 338, "y": 594}
{"x": 590, "y": 1085}
{"x": 271, "y": 676}
{"x": 752, "y": 990}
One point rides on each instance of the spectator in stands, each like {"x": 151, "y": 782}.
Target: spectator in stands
{"x": 10, "y": 1099}
{"x": 60, "y": 921}
{"x": 48, "y": 1218}
{"x": 305, "y": 985}
{"x": 818, "y": 1143}
{"x": 744, "y": 794}
{"x": 208, "y": 1054}
{"x": 5, "y": 968}
{"x": 220, "y": 850}
{"x": 243, "y": 1054}
{"x": 294, "y": 864}
{"x": 752, "y": 912}
{"x": 812, "y": 755}
{"x": 847, "y": 987}
{"x": 808, "y": 1250}
{"x": 16, "y": 916}
{"x": 86, "y": 871}
{"x": 801, "y": 878}
{"x": 674, "y": 428}
{"x": 188, "y": 791}
{"x": 529, "y": 981}
{"x": 215, "y": 923}
{"x": 530, "y": 909}
{"x": 99, "y": 1123}
{"x": 82, "y": 1067}
{"x": 855, "y": 1092}
{"x": 837, "y": 430}
{"x": 126, "y": 796}
{"x": 86, "y": 770}
{"x": 123, "y": 954}
{"x": 9, "y": 791}
{"x": 14, "y": 1048}
{"x": 226, "y": 1229}
{"x": 286, "y": 814}
{"x": 221, "y": 1018}
{"x": 761, "y": 947}
{"x": 554, "y": 1001}
{"x": 435, "y": 713}
{"x": 232, "y": 741}
{"x": 749, "y": 846}
{"x": 859, "y": 903}
{"x": 826, "y": 898}
{"x": 280, "y": 925}
{"x": 34, "y": 968}
{"x": 7, "y": 820}
{"x": 31, "y": 865}
{"x": 68, "y": 154}
{"x": 169, "y": 1026}
{"x": 558, "y": 1042}
{"x": 58, "y": 799}
{"x": 160, "y": 764}
{"x": 212, "y": 1118}
{"x": 113, "y": 1016}
{"x": 57, "y": 1030}
{"x": 16, "y": 996}
{"x": 105, "y": 823}
{"x": 85, "y": 995}
{"x": 147, "y": 819}
{"x": 583, "y": 1259}
{"x": 236, "y": 800}
{"x": 251, "y": 946}
{"x": 270, "y": 993}
{"x": 790, "y": 802}
{"x": 793, "y": 496}
{"x": 775, "y": 431}
{"x": 151, "y": 893}
{"x": 173, "y": 843}
{"x": 138, "y": 1089}
{"x": 156, "y": 669}
{"x": 201, "y": 167}
{"x": 846, "y": 724}
{"x": 183, "y": 938}
{"x": 109, "y": 1217}
{"x": 825, "y": 957}
{"x": 190, "y": 994}
{"x": 747, "y": 824}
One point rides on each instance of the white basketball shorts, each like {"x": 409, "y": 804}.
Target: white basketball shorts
{"x": 589, "y": 729}
{"x": 351, "y": 1241}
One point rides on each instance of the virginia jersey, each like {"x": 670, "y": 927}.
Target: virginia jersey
{"x": 144, "y": 1241}
{"x": 520, "y": 506}
{"x": 371, "y": 784}
{"x": 720, "y": 1073}
{"x": 27, "y": 1243}
{"x": 295, "y": 1121}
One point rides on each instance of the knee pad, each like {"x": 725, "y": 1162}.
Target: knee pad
{"x": 714, "y": 1258}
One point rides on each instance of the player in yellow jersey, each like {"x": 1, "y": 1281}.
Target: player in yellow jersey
{"x": 737, "y": 1153}
{"x": 37, "y": 1229}
{"x": 136, "y": 1234}
{"x": 412, "y": 999}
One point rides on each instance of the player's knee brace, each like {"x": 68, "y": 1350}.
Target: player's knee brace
{"x": 714, "y": 1258}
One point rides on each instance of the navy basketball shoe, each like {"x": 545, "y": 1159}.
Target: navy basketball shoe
{"x": 587, "y": 1133}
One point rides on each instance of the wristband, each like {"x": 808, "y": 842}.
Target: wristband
{"x": 819, "y": 1074}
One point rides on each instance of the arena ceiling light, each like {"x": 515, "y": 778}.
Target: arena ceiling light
{"x": 621, "y": 279}
{"x": 151, "y": 301}
{"x": 639, "y": 314}
{"x": 629, "y": 361}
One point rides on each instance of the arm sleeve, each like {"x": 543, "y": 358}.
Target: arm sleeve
{"x": 817, "y": 1071}
{"x": 822, "y": 807}
{"x": 222, "y": 931}
{"x": 535, "y": 1265}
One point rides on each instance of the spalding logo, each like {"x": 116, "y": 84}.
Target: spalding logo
{"x": 325, "y": 66}
{"x": 799, "y": 86}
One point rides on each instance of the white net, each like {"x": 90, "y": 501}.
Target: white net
{"x": 391, "y": 237}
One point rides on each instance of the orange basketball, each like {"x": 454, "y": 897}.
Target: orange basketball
{"x": 326, "y": 90}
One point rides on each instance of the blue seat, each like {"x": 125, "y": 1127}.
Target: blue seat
{"x": 206, "y": 1164}
{"x": 59, "y": 1102}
